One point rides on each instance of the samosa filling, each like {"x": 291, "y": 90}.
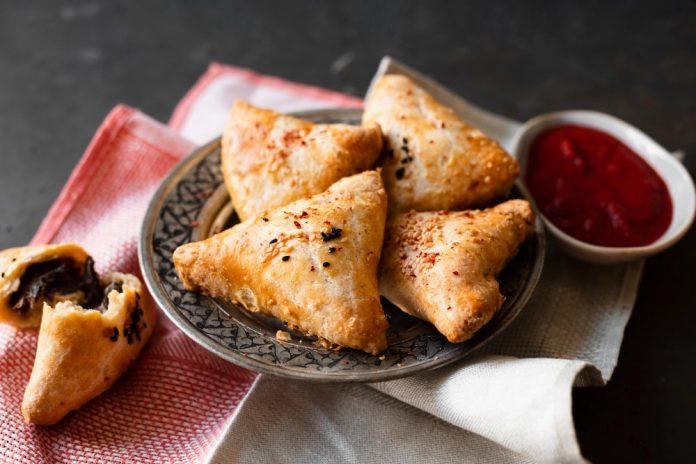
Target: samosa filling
{"x": 57, "y": 280}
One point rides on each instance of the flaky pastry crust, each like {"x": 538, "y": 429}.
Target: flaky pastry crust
{"x": 270, "y": 160}
{"x": 13, "y": 264}
{"x": 433, "y": 160}
{"x": 81, "y": 352}
{"x": 442, "y": 266}
{"x": 312, "y": 263}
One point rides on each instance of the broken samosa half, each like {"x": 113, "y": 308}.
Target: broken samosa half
{"x": 270, "y": 160}
{"x": 33, "y": 275}
{"x": 83, "y": 349}
{"x": 433, "y": 160}
{"x": 312, "y": 263}
{"x": 442, "y": 267}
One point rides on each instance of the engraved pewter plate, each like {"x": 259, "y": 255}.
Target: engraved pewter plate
{"x": 192, "y": 204}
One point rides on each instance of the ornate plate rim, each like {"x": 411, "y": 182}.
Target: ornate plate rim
{"x": 150, "y": 276}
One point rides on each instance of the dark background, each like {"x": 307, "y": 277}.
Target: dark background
{"x": 63, "y": 66}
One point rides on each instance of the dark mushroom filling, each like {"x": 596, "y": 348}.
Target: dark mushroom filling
{"x": 104, "y": 305}
{"x": 55, "y": 280}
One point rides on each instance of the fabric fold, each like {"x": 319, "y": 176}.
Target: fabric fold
{"x": 179, "y": 403}
{"x": 469, "y": 413}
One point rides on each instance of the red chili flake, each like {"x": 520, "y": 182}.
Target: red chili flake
{"x": 442, "y": 125}
{"x": 297, "y": 224}
{"x": 403, "y": 256}
{"x": 312, "y": 269}
{"x": 304, "y": 214}
{"x": 265, "y": 219}
{"x": 455, "y": 272}
{"x": 412, "y": 275}
{"x": 400, "y": 173}
{"x": 195, "y": 223}
{"x": 275, "y": 240}
{"x": 291, "y": 135}
{"x": 444, "y": 212}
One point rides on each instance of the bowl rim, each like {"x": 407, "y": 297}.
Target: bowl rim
{"x": 579, "y": 117}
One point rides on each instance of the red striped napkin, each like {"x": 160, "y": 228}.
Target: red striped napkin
{"x": 174, "y": 402}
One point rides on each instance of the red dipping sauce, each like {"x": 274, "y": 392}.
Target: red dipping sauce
{"x": 596, "y": 189}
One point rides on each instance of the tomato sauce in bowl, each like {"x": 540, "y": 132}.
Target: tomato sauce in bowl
{"x": 596, "y": 189}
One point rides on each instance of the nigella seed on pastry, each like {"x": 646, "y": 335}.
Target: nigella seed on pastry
{"x": 334, "y": 233}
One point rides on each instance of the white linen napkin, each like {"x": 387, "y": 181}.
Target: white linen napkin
{"x": 511, "y": 402}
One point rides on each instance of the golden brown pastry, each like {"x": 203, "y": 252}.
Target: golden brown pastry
{"x": 82, "y": 351}
{"x": 312, "y": 263}
{"x": 442, "y": 266}
{"x": 433, "y": 159}
{"x": 269, "y": 159}
{"x": 32, "y": 275}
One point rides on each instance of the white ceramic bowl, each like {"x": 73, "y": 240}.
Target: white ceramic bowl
{"x": 677, "y": 178}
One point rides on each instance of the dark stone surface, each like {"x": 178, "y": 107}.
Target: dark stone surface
{"x": 64, "y": 65}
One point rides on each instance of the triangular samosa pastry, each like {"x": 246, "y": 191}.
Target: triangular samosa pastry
{"x": 270, "y": 160}
{"x": 312, "y": 263}
{"x": 442, "y": 266}
{"x": 433, "y": 160}
{"x": 82, "y": 351}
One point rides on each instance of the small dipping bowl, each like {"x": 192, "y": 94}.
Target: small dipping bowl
{"x": 676, "y": 177}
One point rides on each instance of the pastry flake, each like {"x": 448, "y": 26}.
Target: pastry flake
{"x": 312, "y": 263}
{"x": 442, "y": 266}
{"x": 433, "y": 160}
{"x": 82, "y": 351}
{"x": 270, "y": 160}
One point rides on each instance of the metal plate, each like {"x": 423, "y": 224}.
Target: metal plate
{"x": 192, "y": 203}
